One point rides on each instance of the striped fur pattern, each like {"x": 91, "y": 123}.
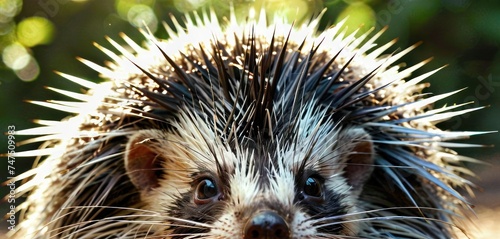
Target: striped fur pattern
{"x": 190, "y": 137}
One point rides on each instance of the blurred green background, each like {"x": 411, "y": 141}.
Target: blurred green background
{"x": 38, "y": 37}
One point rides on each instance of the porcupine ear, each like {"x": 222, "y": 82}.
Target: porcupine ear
{"x": 142, "y": 159}
{"x": 359, "y": 157}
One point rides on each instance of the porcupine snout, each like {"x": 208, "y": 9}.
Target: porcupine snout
{"x": 266, "y": 225}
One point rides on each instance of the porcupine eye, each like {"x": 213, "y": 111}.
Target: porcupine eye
{"x": 206, "y": 192}
{"x": 312, "y": 187}
{"x": 312, "y": 190}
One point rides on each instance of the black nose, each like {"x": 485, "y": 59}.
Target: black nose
{"x": 266, "y": 225}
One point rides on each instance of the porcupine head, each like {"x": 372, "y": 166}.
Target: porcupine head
{"x": 262, "y": 159}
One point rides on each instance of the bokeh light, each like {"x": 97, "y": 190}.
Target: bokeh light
{"x": 188, "y": 5}
{"x": 15, "y": 56}
{"x": 140, "y": 15}
{"x": 359, "y": 16}
{"x": 35, "y": 31}
{"x": 9, "y": 9}
{"x": 293, "y": 10}
{"x": 30, "y": 71}
{"x": 16, "y": 40}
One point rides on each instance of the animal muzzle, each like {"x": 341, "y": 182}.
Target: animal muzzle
{"x": 266, "y": 225}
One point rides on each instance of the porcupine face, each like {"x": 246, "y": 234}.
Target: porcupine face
{"x": 298, "y": 186}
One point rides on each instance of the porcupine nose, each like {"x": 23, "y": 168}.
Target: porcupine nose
{"x": 266, "y": 225}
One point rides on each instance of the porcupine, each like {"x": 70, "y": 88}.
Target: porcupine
{"x": 247, "y": 130}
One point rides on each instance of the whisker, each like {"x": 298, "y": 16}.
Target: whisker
{"x": 382, "y": 210}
